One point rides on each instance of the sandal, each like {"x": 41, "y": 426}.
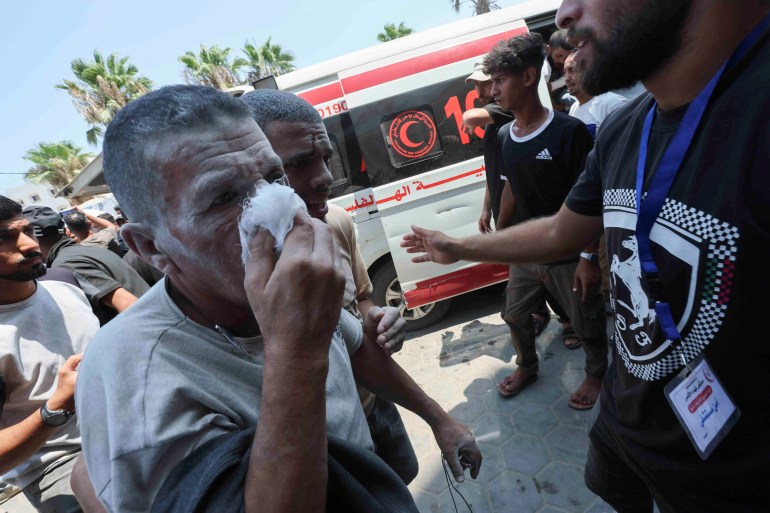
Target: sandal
{"x": 539, "y": 322}
{"x": 570, "y": 338}
{"x": 585, "y": 396}
{"x": 515, "y": 383}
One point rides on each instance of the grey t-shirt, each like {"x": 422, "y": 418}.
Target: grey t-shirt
{"x": 154, "y": 385}
{"x": 37, "y": 336}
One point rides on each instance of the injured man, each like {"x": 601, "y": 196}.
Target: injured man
{"x": 230, "y": 385}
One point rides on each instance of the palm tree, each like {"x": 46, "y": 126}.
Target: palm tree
{"x": 56, "y": 163}
{"x": 103, "y": 86}
{"x": 212, "y": 67}
{"x": 268, "y": 59}
{"x": 391, "y": 32}
{"x": 479, "y": 6}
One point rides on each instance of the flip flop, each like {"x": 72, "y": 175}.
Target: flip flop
{"x": 540, "y": 324}
{"x": 568, "y": 334}
{"x": 515, "y": 383}
{"x": 589, "y": 388}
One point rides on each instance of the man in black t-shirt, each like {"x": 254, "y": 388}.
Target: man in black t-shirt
{"x": 542, "y": 152}
{"x": 488, "y": 118}
{"x": 709, "y": 240}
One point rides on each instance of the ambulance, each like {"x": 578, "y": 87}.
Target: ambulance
{"x": 394, "y": 113}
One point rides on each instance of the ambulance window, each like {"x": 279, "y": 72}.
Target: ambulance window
{"x": 346, "y": 163}
{"x": 340, "y": 174}
{"x": 411, "y": 136}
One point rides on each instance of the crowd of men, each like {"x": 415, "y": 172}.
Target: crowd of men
{"x": 146, "y": 367}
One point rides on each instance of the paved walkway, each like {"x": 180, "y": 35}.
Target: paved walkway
{"x": 534, "y": 445}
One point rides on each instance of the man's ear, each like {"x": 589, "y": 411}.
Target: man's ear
{"x": 530, "y": 76}
{"x": 140, "y": 239}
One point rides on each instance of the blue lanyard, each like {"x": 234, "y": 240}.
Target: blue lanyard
{"x": 647, "y": 211}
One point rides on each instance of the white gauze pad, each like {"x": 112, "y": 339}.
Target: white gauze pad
{"x": 271, "y": 208}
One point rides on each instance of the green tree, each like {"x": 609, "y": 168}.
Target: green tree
{"x": 55, "y": 163}
{"x": 212, "y": 66}
{"x": 479, "y": 6}
{"x": 103, "y": 86}
{"x": 268, "y": 59}
{"x": 391, "y": 32}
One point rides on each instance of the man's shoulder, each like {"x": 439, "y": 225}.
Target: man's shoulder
{"x": 569, "y": 126}
{"x": 62, "y": 291}
{"x": 607, "y": 103}
{"x": 336, "y": 213}
{"x": 136, "y": 330}
{"x": 499, "y": 116}
{"x": 625, "y": 116}
{"x": 89, "y": 251}
{"x": 610, "y": 98}
{"x": 338, "y": 219}
{"x": 58, "y": 288}
{"x": 564, "y": 120}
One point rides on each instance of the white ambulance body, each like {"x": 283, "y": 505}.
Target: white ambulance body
{"x": 394, "y": 113}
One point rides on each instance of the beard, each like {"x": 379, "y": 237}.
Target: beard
{"x": 638, "y": 44}
{"x": 35, "y": 273}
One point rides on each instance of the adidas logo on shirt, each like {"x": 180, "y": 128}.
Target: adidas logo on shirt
{"x": 544, "y": 155}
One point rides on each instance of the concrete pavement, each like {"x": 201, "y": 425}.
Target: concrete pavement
{"x": 534, "y": 446}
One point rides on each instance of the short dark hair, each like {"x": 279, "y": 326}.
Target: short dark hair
{"x": 559, "y": 39}
{"x": 132, "y": 176}
{"x": 8, "y": 209}
{"x": 106, "y": 216}
{"x": 268, "y": 105}
{"x": 77, "y": 222}
{"x": 516, "y": 54}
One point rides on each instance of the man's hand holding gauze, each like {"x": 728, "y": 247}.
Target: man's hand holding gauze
{"x": 272, "y": 208}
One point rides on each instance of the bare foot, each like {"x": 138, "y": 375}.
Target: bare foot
{"x": 585, "y": 396}
{"x": 569, "y": 337}
{"x": 515, "y": 383}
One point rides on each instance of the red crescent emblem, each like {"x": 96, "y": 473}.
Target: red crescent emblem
{"x": 421, "y": 125}
{"x": 405, "y": 137}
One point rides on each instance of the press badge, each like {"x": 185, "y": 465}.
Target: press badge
{"x": 703, "y": 407}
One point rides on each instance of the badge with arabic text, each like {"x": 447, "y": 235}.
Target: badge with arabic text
{"x": 702, "y": 405}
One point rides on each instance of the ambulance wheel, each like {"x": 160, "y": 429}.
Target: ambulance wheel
{"x": 386, "y": 291}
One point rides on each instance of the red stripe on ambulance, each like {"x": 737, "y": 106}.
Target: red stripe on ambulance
{"x": 322, "y": 94}
{"x": 455, "y": 283}
{"x": 426, "y": 62}
{"x": 334, "y": 91}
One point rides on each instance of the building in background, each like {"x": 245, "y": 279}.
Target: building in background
{"x": 38, "y": 194}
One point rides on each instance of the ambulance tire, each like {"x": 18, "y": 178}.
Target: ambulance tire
{"x": 386, "y": 291}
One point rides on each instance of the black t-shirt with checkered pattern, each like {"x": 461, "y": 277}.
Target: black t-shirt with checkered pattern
{"x": 711, "y": 244}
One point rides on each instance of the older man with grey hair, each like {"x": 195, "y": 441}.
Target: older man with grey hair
{"x": 219, "y": 348}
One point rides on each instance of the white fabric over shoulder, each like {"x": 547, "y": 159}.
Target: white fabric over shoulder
{"x": 271, "y": 208}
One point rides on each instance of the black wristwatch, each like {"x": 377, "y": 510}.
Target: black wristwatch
{"x": 591, "y": 257}
{"x": 54, "y": 417}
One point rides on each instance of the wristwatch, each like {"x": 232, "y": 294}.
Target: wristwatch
{"x": 54, "y": 417}
{"x": 591, "y": 257}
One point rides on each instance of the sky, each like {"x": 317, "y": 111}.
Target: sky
{"x": 39, "y": 39}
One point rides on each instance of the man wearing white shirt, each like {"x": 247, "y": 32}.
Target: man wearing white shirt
{"x": 591, "y": 110}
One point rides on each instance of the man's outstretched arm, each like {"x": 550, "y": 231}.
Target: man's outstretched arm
{"x": 562, "y": 235}
{"x": 473, "y": 118}
{"x": 384, "y": 377}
